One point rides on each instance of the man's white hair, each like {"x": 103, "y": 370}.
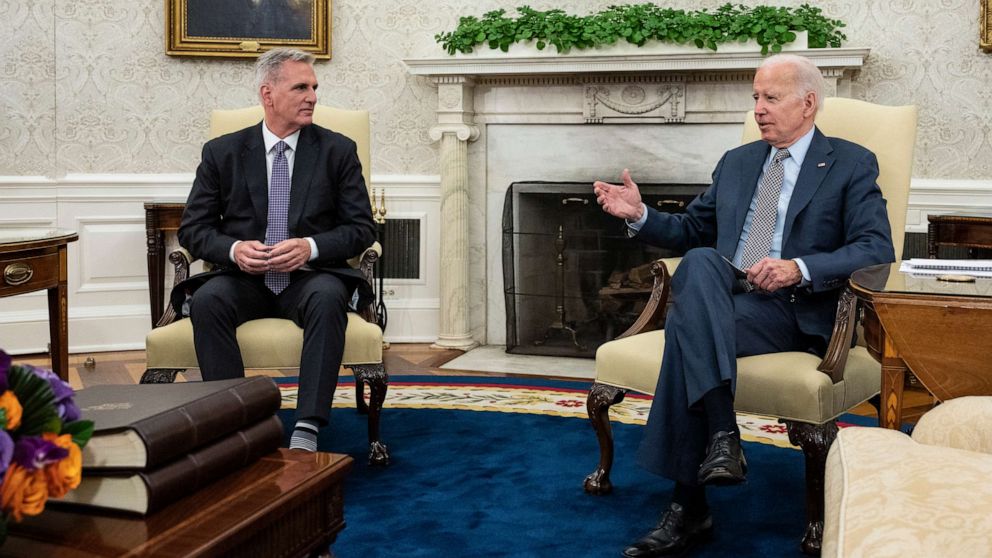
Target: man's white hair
{"x": 268, "y": 67}
{"x": 808, "y": 78}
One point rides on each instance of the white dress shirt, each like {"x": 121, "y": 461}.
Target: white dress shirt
{"x": 271, "y": 140}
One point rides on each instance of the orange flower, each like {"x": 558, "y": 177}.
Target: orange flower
{"x": 64, "y": 475}
{"x": 23, "y": 492}
{"x": 9, "y": 403}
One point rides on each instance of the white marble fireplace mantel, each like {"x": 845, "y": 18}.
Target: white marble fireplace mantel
{"x": 573, "y": 118}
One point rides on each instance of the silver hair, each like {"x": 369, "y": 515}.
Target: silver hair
{"x": 269, "y": 65}
{"x": 808, "y": 78}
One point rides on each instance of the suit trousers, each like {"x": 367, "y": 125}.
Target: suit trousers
{"x": 317, "y": 302}
{"x": 711, "y": 322}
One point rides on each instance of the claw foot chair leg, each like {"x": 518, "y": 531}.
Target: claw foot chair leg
{"x": 378, "y": 380}
{"x": 814, "y": 440}
{"x": 160, "y": 375}
{"x": 601, "y": 398}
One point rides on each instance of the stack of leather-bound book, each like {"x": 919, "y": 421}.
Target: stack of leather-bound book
{"x": 155, "y": 443}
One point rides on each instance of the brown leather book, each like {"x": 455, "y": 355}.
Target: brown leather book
{"x": 143, "y": 492}
{"x": 139, "y": 427}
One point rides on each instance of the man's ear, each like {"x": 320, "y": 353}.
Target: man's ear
{"x": 809, "y": 104}
{"x": 265, "y": 94}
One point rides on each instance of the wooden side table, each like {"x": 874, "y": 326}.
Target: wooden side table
{"x": 160, "y": 218}
{"x": 969, "y": 231}
{"x": 937, "y": 330}
{"x": 35, "y": 259}
{"x": 289, "y": 503}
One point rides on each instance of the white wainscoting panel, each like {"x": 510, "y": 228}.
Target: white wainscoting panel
{"x": 108, "y": 281}
{"x": 108, "y": 294}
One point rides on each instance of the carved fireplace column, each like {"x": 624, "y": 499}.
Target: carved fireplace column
{"x": 454, "y": 130}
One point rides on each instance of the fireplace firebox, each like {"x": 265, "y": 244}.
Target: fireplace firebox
{"x": 572, "y": 279}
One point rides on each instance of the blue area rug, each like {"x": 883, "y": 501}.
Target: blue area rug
{"x": 494, "y": 484}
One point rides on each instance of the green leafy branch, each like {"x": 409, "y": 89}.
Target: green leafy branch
{"x": 771, "y": 27}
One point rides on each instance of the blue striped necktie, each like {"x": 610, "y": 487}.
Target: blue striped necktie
{"x": 276, "y": 231}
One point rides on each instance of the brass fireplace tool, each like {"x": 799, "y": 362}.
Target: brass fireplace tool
{"x": 560, "y": 324}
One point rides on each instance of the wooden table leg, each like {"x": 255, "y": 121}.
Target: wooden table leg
{"x": 155, "y": 240}
{"x": 58, "y": 320}
{"x": 893, "y": 381}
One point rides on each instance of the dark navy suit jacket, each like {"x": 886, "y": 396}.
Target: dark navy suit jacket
{"x": 836, "y": 221}
{"x": 230, "y": 201}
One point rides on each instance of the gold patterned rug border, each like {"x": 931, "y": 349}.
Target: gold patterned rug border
{"x": 536, "y": 400}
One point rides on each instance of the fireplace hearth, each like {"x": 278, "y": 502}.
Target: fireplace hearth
{"x": 572, "y": 279}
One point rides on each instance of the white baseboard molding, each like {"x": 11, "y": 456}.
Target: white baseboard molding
{"x": 108, "y": 328}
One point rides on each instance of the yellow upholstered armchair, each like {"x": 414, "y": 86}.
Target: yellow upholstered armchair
{"x": 275, "y": 343}
{"x": 805, "y": 392}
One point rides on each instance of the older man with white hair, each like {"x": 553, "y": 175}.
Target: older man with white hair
{"x": 797, "y": 212}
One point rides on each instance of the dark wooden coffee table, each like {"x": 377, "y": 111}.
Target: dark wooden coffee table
{"x": 287, "y": 504}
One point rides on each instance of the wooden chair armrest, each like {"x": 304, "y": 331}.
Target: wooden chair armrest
{"x": 653, "y": 315}
{"x": 835, "y": 360}
{"x": 365, "y": 261}
{"x": 181, "y": 259}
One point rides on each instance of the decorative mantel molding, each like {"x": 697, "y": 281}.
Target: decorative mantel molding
{"x": 680, "y": 89}
{"x": 847, "y": 59}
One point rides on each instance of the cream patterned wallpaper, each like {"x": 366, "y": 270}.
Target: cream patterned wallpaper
{"x": 86, "y": 87}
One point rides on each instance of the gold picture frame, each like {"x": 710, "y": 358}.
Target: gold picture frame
{"x": 985, "y": 29}
{"x": 246, "y": 28}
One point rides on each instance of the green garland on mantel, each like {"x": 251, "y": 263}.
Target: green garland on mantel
{"x": 770, "y": 26}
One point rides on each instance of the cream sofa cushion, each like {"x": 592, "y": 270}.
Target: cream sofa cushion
{"x": 265, "y": 343}
{"x": 889, "y": 496}
{"x": 786, "y": 385}
{"x": 962, "y": 423}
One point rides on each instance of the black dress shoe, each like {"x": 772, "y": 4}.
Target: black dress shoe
{"x": 675, "y": 534}
{"x": 724, "y": 463}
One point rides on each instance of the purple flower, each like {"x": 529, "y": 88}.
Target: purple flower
{"x": 64, "y": 405}
{"x": 4, "y": 367}
{"x": 6, "y": 451}
{"x": 33, "y": 453}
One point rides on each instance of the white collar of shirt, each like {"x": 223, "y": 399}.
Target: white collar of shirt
{"x": 797, "y": 151}
{"x": 271, "y": 140}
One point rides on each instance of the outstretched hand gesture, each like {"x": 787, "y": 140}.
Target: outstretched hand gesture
{"x": 623, "y": 201}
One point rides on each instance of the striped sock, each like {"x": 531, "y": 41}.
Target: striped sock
{"x": 304, "y": 436}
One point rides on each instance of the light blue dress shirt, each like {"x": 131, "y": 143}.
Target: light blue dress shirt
{"x": 791, "y": 166}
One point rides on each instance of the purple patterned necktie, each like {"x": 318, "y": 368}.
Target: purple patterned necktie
{"x": 276, "y": 231}
{"x": 759, "y": 237}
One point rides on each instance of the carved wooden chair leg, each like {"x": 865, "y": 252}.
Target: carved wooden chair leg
{"x": 814, "y": 440}
{"x": 378, "y": 380}
{"x": 360, "y": 405}
{"x": 160, "y": 375}
{"x": 601, "y": 397}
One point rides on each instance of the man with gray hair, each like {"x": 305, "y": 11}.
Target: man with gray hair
{"x": 798, "y": 212}
{"x": 278, "y": 208}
